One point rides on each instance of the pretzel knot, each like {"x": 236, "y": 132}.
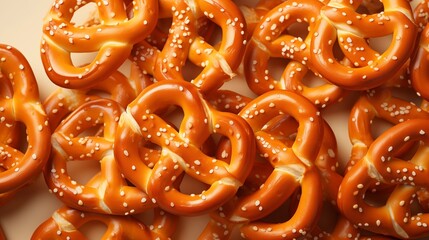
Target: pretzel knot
{"x": 65, "y": 223}
{"x": 181, "y": 150}
{"x": 293, "y": 168}
{"x": 112, "y": 39}
{"x": 218, "y": 63}
{"x": 19, "y": 103}
{"x": 271, "y": 39}
{"x": 379, "y": 104}
{"x": 339, "y": 21}
{"x": 63, "y": 100}
{"x": 107, "y": 191}
{"x": 397, "y": 216}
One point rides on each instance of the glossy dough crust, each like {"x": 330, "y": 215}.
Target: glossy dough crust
{"x": 222, "y": 111}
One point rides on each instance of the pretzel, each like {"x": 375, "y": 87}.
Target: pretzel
{"x": 419, "y": 74}
{"x": 421, "y": 14}
{"x": 340, "y": 22}
{"x": 343, "y": 229}
{"x": 382, "y": 163}
{"x": 184, "y": 43}
{"x": 253, "y": 15}
{"x": 112, "y": 39}
{"x": 293, "y": 167}
{"x": 228, "y": 101}
{"x": 65, "y": 223}
{"x": 107, "y": 191}
{"x": 380, "y": 104}
{"x": 22, "y": 105}
{"x": 62, "y": 101}
{"x": 180, "y": 150}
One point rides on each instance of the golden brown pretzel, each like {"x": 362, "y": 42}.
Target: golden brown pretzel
{"x": 228, "y": 100}
{"x": 340, "y": 22}
{"x": 380, "y": 104}
{"x": 184, "y": 43}
{"x": 107, "y": 191}
{"x": 419, "y": 65}
{"x": 421, "y": 14}
{"x": 253, "y": 14}
{"x": 62, "y": 101}
{"x": 21, "y": 106}
{"x": 65, "y": 223}
{"x": 293, "y": 167}
{"x": 393, "y": 216}
{"x": 180, "y": 150}
{"x": 112, "y": 39}
{"x": 271, "y": 39}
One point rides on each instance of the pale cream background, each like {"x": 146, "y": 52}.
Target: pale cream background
{"x": 21, "y": 27}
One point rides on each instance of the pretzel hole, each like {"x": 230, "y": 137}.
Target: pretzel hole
{"x": 190, "y": 185}
{"x": 379, "y": 126}
{"x": 190, "y": 70}
{"x": 146, "y": 217}
{"x": 285, "y": 211}
{"x": 87, "y": 15}
{"x": 82, "y": 59}
{"x": 370, "y": 7}
{"x": 379, "y": 43}
{"x": 83, "y": 171}
{"x": 93, "y": 230}
{"x": 275, "y": 67}
{"x": 298, "y": 29}
{"x": 311, "y": 80}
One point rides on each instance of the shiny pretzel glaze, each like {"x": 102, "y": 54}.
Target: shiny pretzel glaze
{"x": 107, "y": 191}
{"x": 293, "y": 167}
{"x": 383, "y": 163}
{"x": 20, "y": 103}
{"x": 218, "y": 63}
{"x": 112, "y": 39}
{"x": 65, "y": 223}
{"x": 379, "y": 104}
{"x": 63, "y": 100}
{"x": 420, "y": 64}
{"x": 340, "y": 22}
{"x": 269, "y": 40}
{"x": 181, "y": 149}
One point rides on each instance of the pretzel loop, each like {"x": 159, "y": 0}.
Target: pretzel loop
{"x": 292, "y": 167}
{"x": 181, "y": 150}
{"x": 112, "y": 39}
{"x": 107, "y": 191}
{"x": 23, "y": 106}
{"x": 65, "y": 223}
{"x": 382, "y": 164}
{"x": 373, "y": 69}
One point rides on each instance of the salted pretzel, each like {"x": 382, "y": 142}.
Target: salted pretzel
{"x": 107, "y": 191}
{"x": 339, "y": 22}
{"x": 184, "y": 43}
{"x": 421, "y": 14}
{"x": 419, "y": 72}
{"x": 270, "y": 39}
{"x": 253, "y": 14}
{"x": 393, "y": 216}
{"x": 381, "y": 104}
{"x": 293, "y": 167}
{"x": 21, "y": 106}
{"x": 228, "y": 100}
{"x": 344, "y": 230}
{"x": 62, "y": 101}
{"x": 181, "y": 149}
{"x": 65, "y": 223}
{"x": 112, "y": 39}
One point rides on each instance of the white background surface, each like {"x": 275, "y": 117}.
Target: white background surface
{"x": 21, "y": 27}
